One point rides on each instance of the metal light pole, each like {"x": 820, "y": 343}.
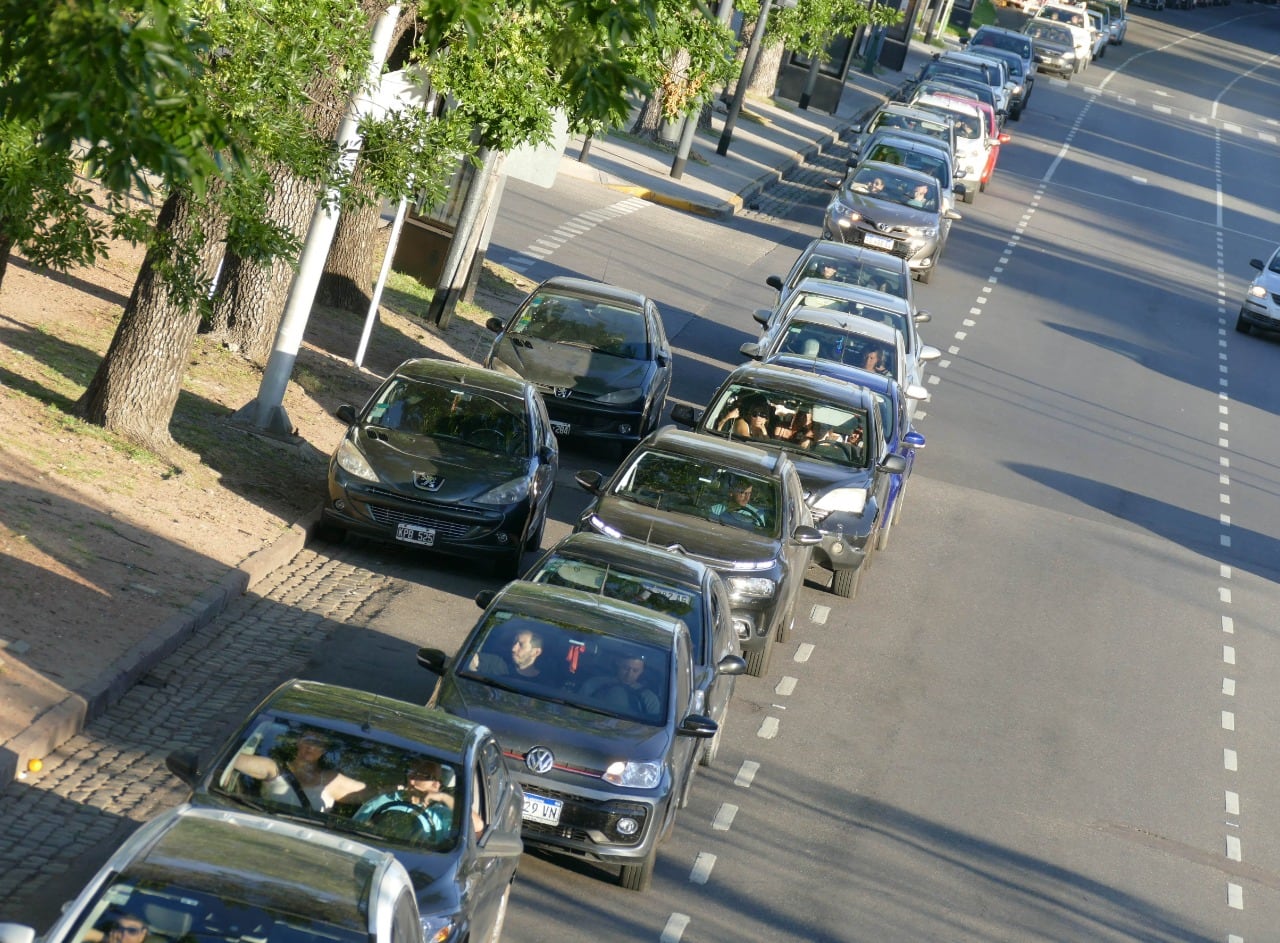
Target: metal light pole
{"x": 748, "y": 66}
{"x": 690, "y": 127}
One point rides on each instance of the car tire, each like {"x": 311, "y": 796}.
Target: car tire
{"x": 970, "y": 194}
{"x": 924, "y": 274}
{"x": 982, "y": 185}
{"x": 712, "y": 749}
{"x": 1015, "y": 115}
{"x": 495, "y": 935}
{"x": 1243, "y": 326}
{"x": 758, "y": 661}
{"x": 638, "y": 877}
{"x": 846, "y": 583}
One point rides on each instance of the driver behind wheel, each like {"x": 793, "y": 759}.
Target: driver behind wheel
{"x": 420, "y": 810}
{"x": 737, "y": 507}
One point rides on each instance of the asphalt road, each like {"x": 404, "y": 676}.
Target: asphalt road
{"x": 1049, "y": 714}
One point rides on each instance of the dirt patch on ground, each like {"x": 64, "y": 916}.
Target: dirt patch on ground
{"x": 100, "y": 542}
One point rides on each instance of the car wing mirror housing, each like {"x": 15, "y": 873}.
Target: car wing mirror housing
{"x": 915, "y": 391}
{"x": 751, "y": 350}
{"x": 346, "y": 412}
{"x": 589, "y": 480}
{"x": 731, "y": 665}
{"x": 685, "y": 415}
{"x": 929, "y": 354}
{"x": 762, "y": 315}
{"x": 893, "y": 464}
{"x": 185, "y": 764}
{"x": 433, "y": 659}
{"x": 501, "y": 845}
{"x": 699, "y": 726}
{"x": 913, "y": 439}
{"x": 495, "y": 325}
{"x": 485, "y": 597}
{"x": 807, "y": 536}
{"x": 774, "y": 281}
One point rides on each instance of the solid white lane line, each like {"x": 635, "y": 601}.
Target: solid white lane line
{"x": 724, "y": 817}
{"x": 746, "y": 773}
{"x": 702, "y": 866}
{"x": 674, "y": 929}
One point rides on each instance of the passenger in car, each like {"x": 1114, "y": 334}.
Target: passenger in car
{"x": 526, "y": 647}
{"x": 875, "y": 361}
{"x": 124, "y": 927}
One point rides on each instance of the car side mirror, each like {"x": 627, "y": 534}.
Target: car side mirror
{"x": 923, "y": 317}
{"x": 185, "y": 764}
{"x": 731, "y": 665}
{"x": 698, "y": 726}
{"x": 495, "y": 325}
{"x": 893, "y": 464}
{"x": 751, "y": 350}
{"x": 761, "y": 316}
{"x": 952, "y": 214}
{"x": 433, "y": 659}
{"x": 685, "y": 415}
{"x": 913, "y": 439}
{"x": 832, "y": 183}
{"x": 806, "y": 536}
{"x": 774, "y": 281}
{"x": 589, "y": 480}
{"x": 346, "y": 412}
{"x": 662, "y": 359}
{"x": 500, "y": 845}
{"x": 485, "y": 597}
{"x": 1258, "y": 264}
{"x": 1005, "y": 137}
{"x": 929, "y": 354}
{"x": 546, "y": 454}
{"x": 915, "y": 391}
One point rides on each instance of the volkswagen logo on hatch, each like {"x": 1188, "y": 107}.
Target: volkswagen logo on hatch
{"x": 539, "y": 760}
{"x": 427, "y": 482}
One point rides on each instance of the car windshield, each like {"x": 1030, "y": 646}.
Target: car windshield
{"x": 641, "y": 589}
{"x": 360, "y": 784}
{"x": 891, "y": 121}
{"x": 891, "y": 188}
{"x": 930, "y": 164}
{"x": 222, "y": 911}
{"x": 811, "y": 299}
{"x": 1072, "y": 17}
{"x": 614, "y": 677}
{"x": 1049, "y": 33}
{"x": 490, "y": 423}
{"x": 949, "y": 85}
{"x": 691, "y": 485}
{"x": 854, "y": 271}
{"x": 836, "y": 344}
{"x": 603, "y": 327}
{"x": 803, "y": 424}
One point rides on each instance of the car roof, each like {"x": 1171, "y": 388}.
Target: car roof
{"x": 287, "y": 867}
{"x": 851, "y": 292}
{"x": 992, "y": 28}
{"x": 968, "y": 57}
{"x": 876, "y": 330}
{"x": 654, "y": 561}
{"x": 451, "y": 371}
{"x": 783, "y": 378}
{"x": 995, "y": 52}
{"x": 735, "y": 453}
{"x": 969, "y": 106}
{"x": 373, "y": 716}
{"x": 907, "y": 172}
{"x": 847, "y": 373}
{"x": 905, "y": 140}
{"x": 560, "y": 605}
{"x": 595, "y": 289}
{"x": 830, "y": 248}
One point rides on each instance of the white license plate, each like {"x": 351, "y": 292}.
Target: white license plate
{"x": 413, "y": 534}
{"x": 560, "y": 428}
{"x": 877, "y": 242}
{"x": 539, "y": 809}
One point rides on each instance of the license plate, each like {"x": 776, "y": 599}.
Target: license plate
{"x": 413, "y": 534}
{"x": 877, "y": 242}
{"x": 559, "y": 428}
{"x": 539, "y": 809}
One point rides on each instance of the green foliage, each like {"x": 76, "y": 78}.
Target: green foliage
{"x": 984, "y": 14}
{"x": 809, "y": 25}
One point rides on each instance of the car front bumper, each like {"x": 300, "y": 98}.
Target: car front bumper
{"x": 918, "y": 251}
{"x": 592, "y": 821}
{"x": 1260, "y": 312}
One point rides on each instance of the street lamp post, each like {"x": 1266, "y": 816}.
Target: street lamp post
{"x": 748, "y": 66}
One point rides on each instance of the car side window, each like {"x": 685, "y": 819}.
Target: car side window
{"x": 684, "y": 672}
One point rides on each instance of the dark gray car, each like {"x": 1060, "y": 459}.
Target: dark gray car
{"x": 685, "y": 493}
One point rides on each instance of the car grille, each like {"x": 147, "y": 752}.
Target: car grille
{"x": 390, "y": 517}
{"x": 579, "y": 818}
{"x": 1275, "y": 299}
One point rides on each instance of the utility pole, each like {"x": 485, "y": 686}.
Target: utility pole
{"x": 748, "y": 66}
{"x": 267, "y": 411}
{"x": 690, "y": 126}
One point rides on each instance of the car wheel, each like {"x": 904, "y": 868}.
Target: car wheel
{"x": 1015, "y": 115}
{"x": 712, "y": 749}
{"x": 923, "y": 275}
{"x": 1243, "y": 326}
{"x": 758, "y": 661}
{"x": 970, "y": 194}
{"x": 638, "y": 877}
{"x": 982, "y": 185}
{"x": 500, "y": 920}
{"x": 846, "y": 583}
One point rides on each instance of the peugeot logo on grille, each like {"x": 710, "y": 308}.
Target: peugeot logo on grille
{"x": 539, "y": 760}
{"x": 427, "y": 482}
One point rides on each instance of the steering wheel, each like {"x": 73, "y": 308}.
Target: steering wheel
{"x": 405, "y": 821}
{"x": 745, "y": 513}
{"x": 495, "y": 440}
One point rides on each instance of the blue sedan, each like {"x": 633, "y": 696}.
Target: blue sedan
{"x": 901, "y": 436}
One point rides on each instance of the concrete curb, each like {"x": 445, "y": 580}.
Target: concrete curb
{"x": 59, "y": 723}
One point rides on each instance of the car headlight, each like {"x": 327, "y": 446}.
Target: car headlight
{"x": 632, "y": 394}
{"x": 848, "y": 500}
{"x": 922, "y": 232}
{"x": 437, "y": 928}
{"x": 509, "y": 492}
{"x": 353, "y": 462}
{"x": 634, "y": 775}
{"x": 848, "y": 215}
{"x": 1257, "y": 291}
{"x": 600, "y": 527}
{"x": 742, "y": 588}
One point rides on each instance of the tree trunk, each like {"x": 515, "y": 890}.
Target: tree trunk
{"x": 765, "y": 80}
{"x": 648, "y": 123}
{"x": 251, "y": 296}
{"x": 6, "y": 246}
{"x": 353, "y": 260}
{"x": 136, "y": 386}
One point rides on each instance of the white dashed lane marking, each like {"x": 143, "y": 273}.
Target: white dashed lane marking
{"x": 674, "y": 929}
{"x": 746, "y": 774}
{"x": 724, "y": 817}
